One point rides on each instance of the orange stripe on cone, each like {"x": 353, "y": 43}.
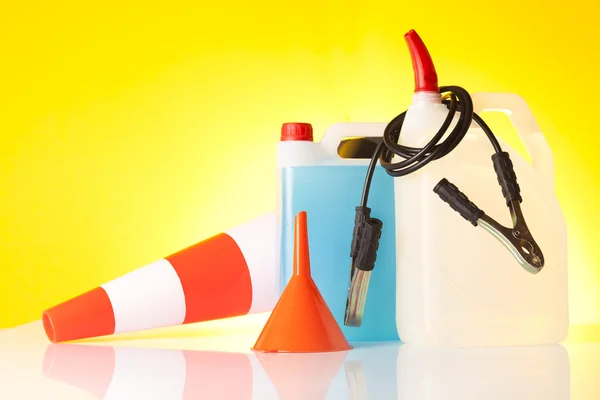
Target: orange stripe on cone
{"x": 92, "y": 311}
{"x": 215, "y": 279}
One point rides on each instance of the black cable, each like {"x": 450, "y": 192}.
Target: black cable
{"x": 367, "y": 230}
{"x": 457, "y": 99}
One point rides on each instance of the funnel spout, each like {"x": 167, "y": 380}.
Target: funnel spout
{"x": 301, "y": 254}
{"x": 425, "y": 76}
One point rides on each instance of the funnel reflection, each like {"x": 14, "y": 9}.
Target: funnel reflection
{"x": 367, "y": 372}
{"x": 301, "y": 376}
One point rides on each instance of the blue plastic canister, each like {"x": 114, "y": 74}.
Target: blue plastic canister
{"x": 313, "y": 177}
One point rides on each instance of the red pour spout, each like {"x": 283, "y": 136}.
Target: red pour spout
{"x": 425, "y": 76}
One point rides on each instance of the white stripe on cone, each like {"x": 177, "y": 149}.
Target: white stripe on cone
{"x": 257, "y": 241}
{"x": 135, "y": 307}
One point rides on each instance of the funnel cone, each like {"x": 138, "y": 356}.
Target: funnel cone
{"x": 301, "y": 322}
{"x": 229, "y": 274}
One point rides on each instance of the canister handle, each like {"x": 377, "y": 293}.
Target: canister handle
{"x": 517, "y": 110}
{"x": 337, "y": 132}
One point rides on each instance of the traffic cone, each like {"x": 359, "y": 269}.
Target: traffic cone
{"x": 231, "y": 274}
{"x": 301, "y": 322}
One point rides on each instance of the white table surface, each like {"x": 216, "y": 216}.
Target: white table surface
{"x": 214, "y": 361}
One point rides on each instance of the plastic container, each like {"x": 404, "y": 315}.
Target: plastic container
{"x": 457, "y": 285}
{"x": 313, "y": 177}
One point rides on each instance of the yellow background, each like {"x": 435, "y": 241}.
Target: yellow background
{"x": 130, "y": 130}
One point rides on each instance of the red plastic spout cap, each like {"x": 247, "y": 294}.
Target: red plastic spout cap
{"x": 425, "y": 76}
{"x": 296, "y": 131}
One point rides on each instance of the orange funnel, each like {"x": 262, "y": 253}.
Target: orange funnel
{"x": 301, "y": 322}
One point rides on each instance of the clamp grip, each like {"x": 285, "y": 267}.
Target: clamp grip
{"x": 458, "y": 201}
{"x": 365, "y": 239}
{"x": 506, "y": 177}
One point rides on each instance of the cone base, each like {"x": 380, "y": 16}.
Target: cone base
{"x": 300, "y": 351}
{"x": 301, "y": 322}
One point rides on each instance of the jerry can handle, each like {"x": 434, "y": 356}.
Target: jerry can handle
{"x": 515, "y": 107}
{"x": 337, "y": 132}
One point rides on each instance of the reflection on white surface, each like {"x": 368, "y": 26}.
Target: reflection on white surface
{"x": 301, "y": 376}
{"x": 516, "y": 373}
{"x": 368, "y": 372}
{"x": 138, "y": 373}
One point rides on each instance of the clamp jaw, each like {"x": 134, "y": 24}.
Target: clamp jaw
{"x": 518, "y": 239}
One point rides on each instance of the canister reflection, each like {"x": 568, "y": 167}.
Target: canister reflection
{"x": 515, "y": 373}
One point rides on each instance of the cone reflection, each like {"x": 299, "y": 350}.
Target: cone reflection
{"x": 138, "y": 373}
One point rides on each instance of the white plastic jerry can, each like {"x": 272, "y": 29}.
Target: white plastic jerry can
{"x": 457, "y": 284}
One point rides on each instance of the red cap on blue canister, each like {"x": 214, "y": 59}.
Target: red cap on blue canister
{"x": 296, "y": 131}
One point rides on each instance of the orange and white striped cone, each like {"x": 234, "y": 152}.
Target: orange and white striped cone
{"x": 230, "y": 274}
